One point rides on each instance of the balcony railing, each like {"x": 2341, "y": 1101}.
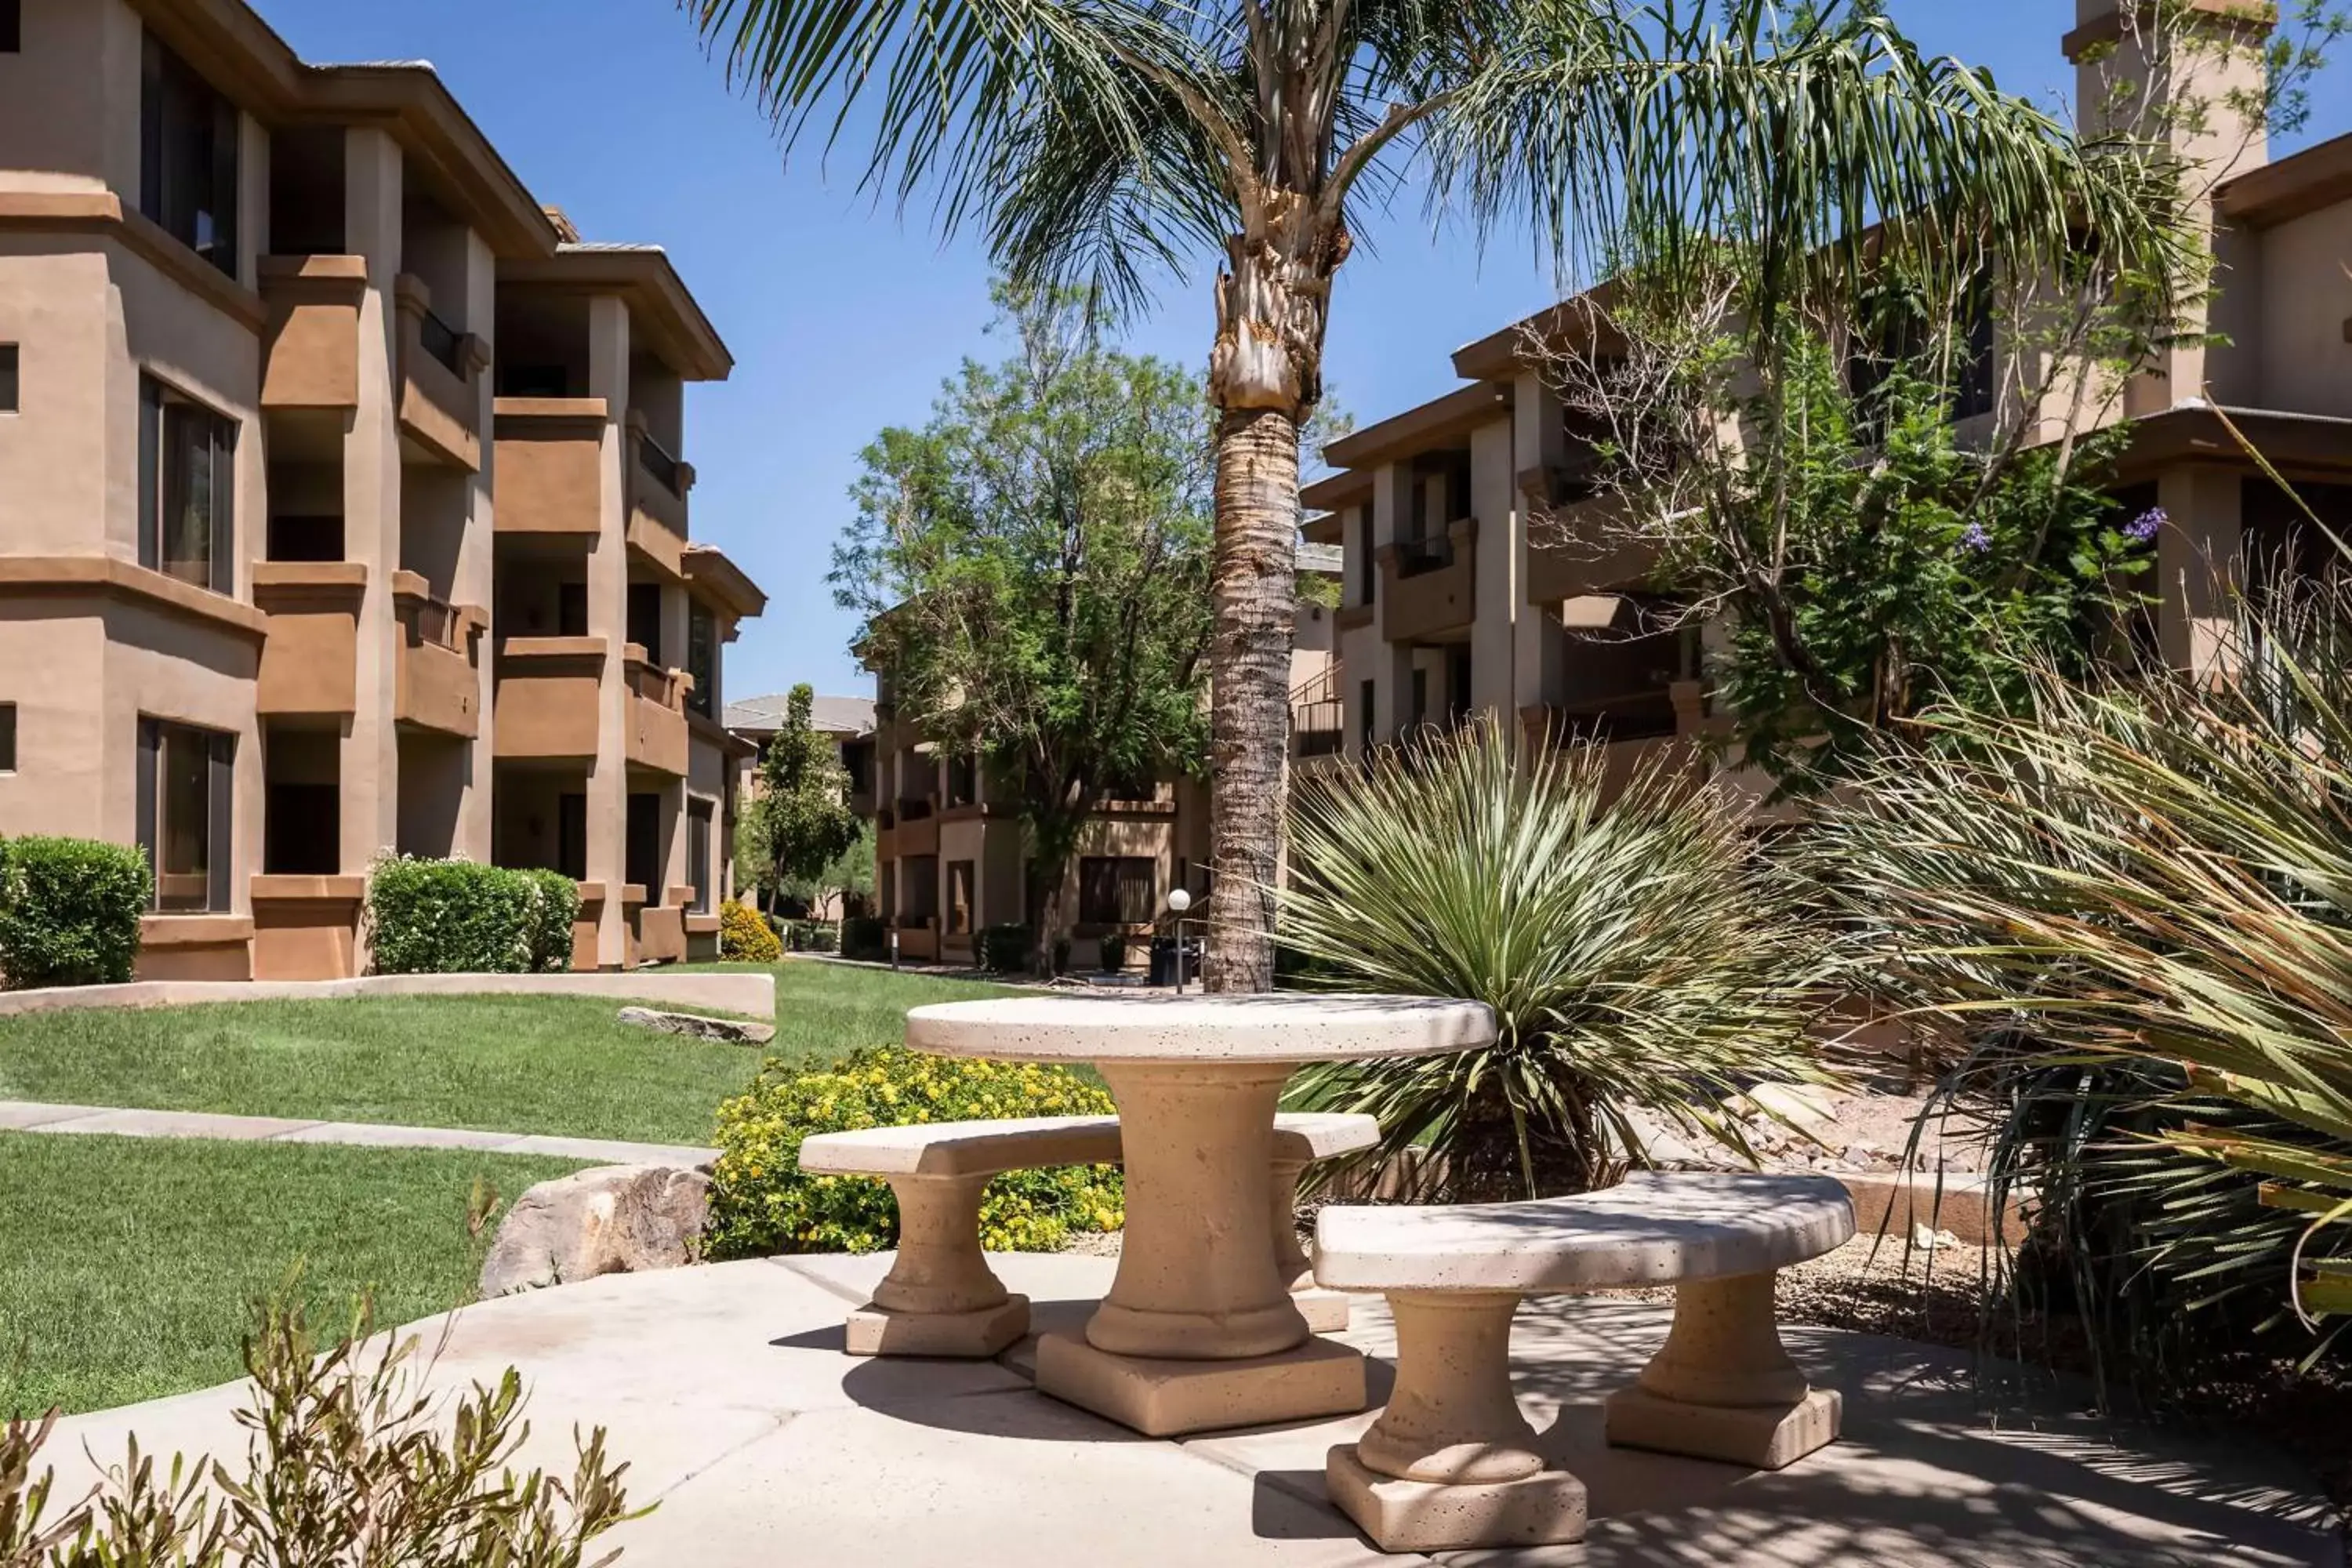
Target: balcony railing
{"x": 1321, "y": 728}
{"x": 1416, "y": 556}
{"x": 442, "y": 341}
{"x": 661, "y": 465}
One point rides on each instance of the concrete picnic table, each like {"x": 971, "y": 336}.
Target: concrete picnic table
{"x": 1198, "y": 1330}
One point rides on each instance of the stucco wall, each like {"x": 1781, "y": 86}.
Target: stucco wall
{"x": 53, "y": 653}
{"x": 70, "y": 99}
{"x": 57, "y": 304}
{"x": 2306, "y": 365}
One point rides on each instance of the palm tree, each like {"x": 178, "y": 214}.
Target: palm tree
{"x": 1109, "y": 141}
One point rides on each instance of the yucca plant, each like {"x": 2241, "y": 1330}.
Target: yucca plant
{"x": 2138, "y": 898}
{"x": 1638, "y": 954}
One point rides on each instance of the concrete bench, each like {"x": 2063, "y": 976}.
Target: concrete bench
{"x": 941, "y": 1299}
{"x": 1451, "y": 1463}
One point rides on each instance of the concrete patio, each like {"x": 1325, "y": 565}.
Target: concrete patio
{"x": 726, "y": 1389}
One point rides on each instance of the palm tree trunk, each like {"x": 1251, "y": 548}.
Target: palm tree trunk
{"x": 1257, "y": 593}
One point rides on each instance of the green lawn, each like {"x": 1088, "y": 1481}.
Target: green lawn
{"x": 127, "y": 1265}
{"x": 514, "y": 1064}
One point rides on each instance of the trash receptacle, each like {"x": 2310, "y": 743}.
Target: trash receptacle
{"x": 1163, "y": 961}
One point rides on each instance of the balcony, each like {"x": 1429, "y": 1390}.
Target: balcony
{"x": 551, "y": 453}
{"x": 657, "y": 485}
{"x": 655, "y": 737}
{"x": 309, "y": 661}
{"x": 1430, "y": 586}
{"x": 310, "y": 355}
{"x": 546, "y": 699}
{"x": 1578, "y": 552}
{"x": 436, "y": 684}
{"x": 440, "y": 370}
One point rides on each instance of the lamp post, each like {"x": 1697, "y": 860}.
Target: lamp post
{"x": 1179, "y": 900}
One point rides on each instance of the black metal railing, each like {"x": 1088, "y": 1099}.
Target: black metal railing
{"x": 442, "y": 341}
{"x": 659, "y": 464}
{"x": 1320, "y": 728}
{"x": 1416, "y": 556}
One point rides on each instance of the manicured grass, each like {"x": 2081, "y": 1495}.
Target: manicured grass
{"x": 127, "y": 1265}
{"x": 508, "y": 1064}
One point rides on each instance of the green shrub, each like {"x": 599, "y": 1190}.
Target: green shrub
{"x": 744, "y": 937}
{"x": 1114, "y": 953}
{"x": 1005, "y": 949}
{"x": 69, "y": 910}
{"x": 865, "y": 937}
{"x": 763, "y": 1203}
{"x": 813, "y": 936}
{"x": 547, "y": 932}
{"x": 455, "y": 917}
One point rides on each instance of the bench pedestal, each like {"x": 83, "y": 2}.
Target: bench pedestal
{"x": 1326, "y": 1312}
{"x": 941, "y": 1298}
{"x": 1452, "y": 1462}
{"x": 1723, "y": 1387}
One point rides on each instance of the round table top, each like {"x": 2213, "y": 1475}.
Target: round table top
{"x": 1288, "y": 1027}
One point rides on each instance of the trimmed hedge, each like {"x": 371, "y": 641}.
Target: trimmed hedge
{"x": 70, "y": 911}
{"x": 813, "y": 936}
{"x": 457, "y": 917}
{"x": 867, "y": 936}
{"x": 763, "y": 1203}
{"x": 744, "y": 937}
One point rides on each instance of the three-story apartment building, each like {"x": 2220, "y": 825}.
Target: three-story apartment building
{"x": 341, "y": 504}
{"x": 1470, "y": 585}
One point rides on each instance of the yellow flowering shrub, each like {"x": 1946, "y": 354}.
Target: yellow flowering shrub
{"x": 763, "y": 1203}
{"x": 745, "y": 937}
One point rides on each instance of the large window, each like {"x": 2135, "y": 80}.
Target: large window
{"x": 702, "y": 658}
{"x": 7, "y": 737}
{"x": 697, "y": 855}
{"x": 187, "y": 489}
{"x": 185, "y": 802}
{"x": 188, "y": 153}
{"x": 1117, "y": 891}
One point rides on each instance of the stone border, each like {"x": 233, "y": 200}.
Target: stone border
{"x": 1889, "y": 1202}
{"x": 752, "y": 996}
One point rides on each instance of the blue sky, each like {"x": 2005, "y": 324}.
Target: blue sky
{"x": 844, "y": 318}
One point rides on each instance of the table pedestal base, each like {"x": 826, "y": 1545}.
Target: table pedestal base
{"x": 1762, "y": 1436}
{"x": 977, "y": 1335}
{"x": 1326, "y": 1312}
{"x": 1162, "y": 1398}
{"x": 1545, "y": 1508}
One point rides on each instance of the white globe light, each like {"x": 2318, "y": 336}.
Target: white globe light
{"x": 1179, "y": 900}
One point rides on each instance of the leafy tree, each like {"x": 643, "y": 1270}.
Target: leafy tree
{"x": 1032, "y": 570}
{"x": 1113, "y": 140}
{"x": 800, "y": 820}
{"x": 849, "y": 874}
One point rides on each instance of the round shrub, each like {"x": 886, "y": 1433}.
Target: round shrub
{"x": 744, "y": 937}
{"x": 70, "y": 911}
{"x": 763, "y": 1203}
{"x": 867, "y": 936}
{"x": 453, "y": 917}
{"x": 546, "y": 928}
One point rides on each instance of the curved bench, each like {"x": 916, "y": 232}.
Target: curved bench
{"x": 941, "y": 1299}
{"x": 1451, "y": 1463}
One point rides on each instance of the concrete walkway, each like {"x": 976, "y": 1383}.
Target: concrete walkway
{"x": 29, "y": 1116}
{"x": 726, "y": 1391}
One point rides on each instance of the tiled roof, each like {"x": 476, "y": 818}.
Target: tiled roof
{"x": 834, "y": 715}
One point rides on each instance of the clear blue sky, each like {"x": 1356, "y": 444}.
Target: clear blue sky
{"x": 843, "y": 318}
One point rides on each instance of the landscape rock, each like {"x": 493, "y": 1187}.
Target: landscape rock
{"x": 733, "y": 1031}
{"x": 616, "y": 1219}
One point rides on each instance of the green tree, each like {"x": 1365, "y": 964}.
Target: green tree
{"x": 1113, "y": 140}
{"x": 1033, "y": 567}
{"x": 800, "y": 820}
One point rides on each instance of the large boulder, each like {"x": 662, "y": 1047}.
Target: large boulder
{"x": 616, "y": 1219}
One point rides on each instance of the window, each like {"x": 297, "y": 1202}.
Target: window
{"x": 919, "y": 889}
{"x": 1366, "y": 731}
{"x": 186, "y": 800}
{"x": 963, "y": 780}
{"x": 188, "y": 157}
{"x": 7, "y": 737}
{"x": 1367, "y": 566}
{"x": 8, "y": 403}
{"x": 960, "y": 896}
{"x": 697, "y": 854}
{"x": 645, "y": 619}
{"x": 702, "y": 658}
{"x": 306, "y": 538}
{"x": 12, "y": 26}
{"x": 1420, "y": 698}
{"x": 187, "y": 489}
{"x": 1122, "y": 891}
{"x": 532, "y": 381}
{"x": 571, "y": 610}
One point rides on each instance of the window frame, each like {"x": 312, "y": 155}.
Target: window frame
{"x": 159, "y": 402}
{"x": 169, "y": 86}
{"x": 699, "y": 858}
{"x": 220, "y": 809}
{"x": 8, "y": 738}
{"x": 12, "y": 366}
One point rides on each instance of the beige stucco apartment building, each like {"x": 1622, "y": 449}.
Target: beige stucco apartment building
{"x": 341, "y": 507}
{"x": 1459, "y": 596}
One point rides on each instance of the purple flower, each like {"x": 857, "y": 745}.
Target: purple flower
{"x": 2146, "y": 525}
{"x": 1975, "y": 539}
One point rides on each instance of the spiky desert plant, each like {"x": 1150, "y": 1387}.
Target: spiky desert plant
{"x": 1638, "y": 954}
{"x": 2139, "y": 899}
